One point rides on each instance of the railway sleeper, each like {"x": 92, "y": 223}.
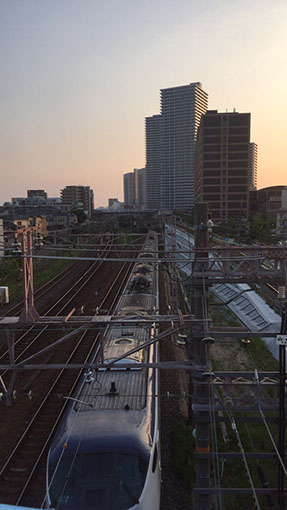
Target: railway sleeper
{"x": 31, "y": 442}
{"x": 7, "y": 490}
{"x": 27, "y": 452}
{"x": 19, "y": 469}
{"x": 16, "y": 479}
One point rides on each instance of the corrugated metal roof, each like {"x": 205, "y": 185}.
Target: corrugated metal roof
{"x": 141, "y": 301}
{"x": 130, "y": 388}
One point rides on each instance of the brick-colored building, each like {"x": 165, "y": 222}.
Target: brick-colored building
{"x": 222, "y": 164}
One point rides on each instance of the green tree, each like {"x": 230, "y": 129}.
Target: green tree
{"x": 81, "y": 215}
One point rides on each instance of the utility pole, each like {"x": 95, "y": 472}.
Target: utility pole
{"x": 199, "y": 348}
{"x": 29, "y": 312}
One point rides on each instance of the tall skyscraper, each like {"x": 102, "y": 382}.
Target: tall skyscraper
{"x": 222, "y": 164}
{"x": 181, "y": 110}
{"x": 253, "y": 166}
{"x": 154, "y": 159}
{"x": 170, "y": 145}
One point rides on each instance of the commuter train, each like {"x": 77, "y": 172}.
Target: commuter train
{"x": 106, "y": 452}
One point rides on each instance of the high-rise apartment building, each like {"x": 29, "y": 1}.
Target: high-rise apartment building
{"x": 140, "y": 187}
{"x": 181, "y": 109}
{"x": 129, "y": 190}
{"x": 79, "y": 197}
{"x": 135, "y": 188}
{"x": 222, "y": 164}
{"x": 170, "y": 146}
{"x": 154, "y": 159}
{"x": 253, "y": 166}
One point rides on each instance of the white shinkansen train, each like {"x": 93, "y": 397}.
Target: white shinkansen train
{"x": 106, "y": 452}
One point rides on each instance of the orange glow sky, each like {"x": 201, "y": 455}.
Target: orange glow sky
{"x": 78, "y": 77}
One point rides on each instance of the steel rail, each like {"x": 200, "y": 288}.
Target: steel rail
{"x": 42, "y": 290}
{"x": 93, "y": 269}
{"x": 50, "y": 392}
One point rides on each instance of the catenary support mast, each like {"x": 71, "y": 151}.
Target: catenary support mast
{"x": 199, "y": 355}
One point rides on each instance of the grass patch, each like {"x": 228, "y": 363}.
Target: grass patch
{"x": 182, "y": 450}
{"x": 260, "y": 355}
{"x": 51, "y": 269}
{"x": 41, "y": 276}
{"x": 254, "y": 436}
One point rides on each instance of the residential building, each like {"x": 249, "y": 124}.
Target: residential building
{"x": 253, "y": 156}
{"x": 154, "y": 159}
{"x": 281, "y": 223}
{"x": 114, "y": 204}
{"x": 129, "y": 190}
{"x": 140, "y": 187}
{"x": 170, "y": 146}
{"x": 36, "y": 193}
{"x": 181, "y": 109}
{"x": 271, "y": 199}
{"x": 18, "y": 201}
{"x": 78, "y": 197}
{"x": 61, "y": 221}
{"x": 222, "y": 164}
{"x": 135, "y": 189}
{"x": 38, "y": 223}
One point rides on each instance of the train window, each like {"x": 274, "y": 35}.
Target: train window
{"x": 97, "y": 465}
{"x": 95, "y": 499}
{"x": 117, "y": 478}
{"x": 130, "y": 472}
{"x": 154, "y": 460}
{"x": 98, "y": 481}
{"x": 63, "y": 488}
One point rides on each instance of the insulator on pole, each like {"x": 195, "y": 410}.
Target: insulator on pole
{"x": 281, "y": 292}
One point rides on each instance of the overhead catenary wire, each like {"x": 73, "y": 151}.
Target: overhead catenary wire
{"x": 263, "y": 417}
{"x": 240, "y": 445}
{"x": 268, "y": 428}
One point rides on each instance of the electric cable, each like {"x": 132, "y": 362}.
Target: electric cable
{"x": 267, "y": 427}
{"x": 240, "y": 445}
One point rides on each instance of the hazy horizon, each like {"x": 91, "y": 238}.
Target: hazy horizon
{"x": 80, "y": 76}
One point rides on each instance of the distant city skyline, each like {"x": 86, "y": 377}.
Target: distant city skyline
{"x": 78, "y": 79}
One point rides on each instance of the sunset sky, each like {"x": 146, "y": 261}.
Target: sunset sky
{"x": 78, "y": 78}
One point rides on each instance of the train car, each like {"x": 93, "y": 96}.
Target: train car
{"x": 106, "y": 453}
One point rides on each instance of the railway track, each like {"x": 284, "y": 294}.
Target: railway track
{"x": 19, "y": 475}
{"x": 55, "y": 282}
{"x": 31, "y": 338}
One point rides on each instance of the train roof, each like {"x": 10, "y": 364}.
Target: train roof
{"x": 106, "y": 431}
{"x": 115, "y": 389}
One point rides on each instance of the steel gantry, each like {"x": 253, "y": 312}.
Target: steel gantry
{"x": 230, "y": 391}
